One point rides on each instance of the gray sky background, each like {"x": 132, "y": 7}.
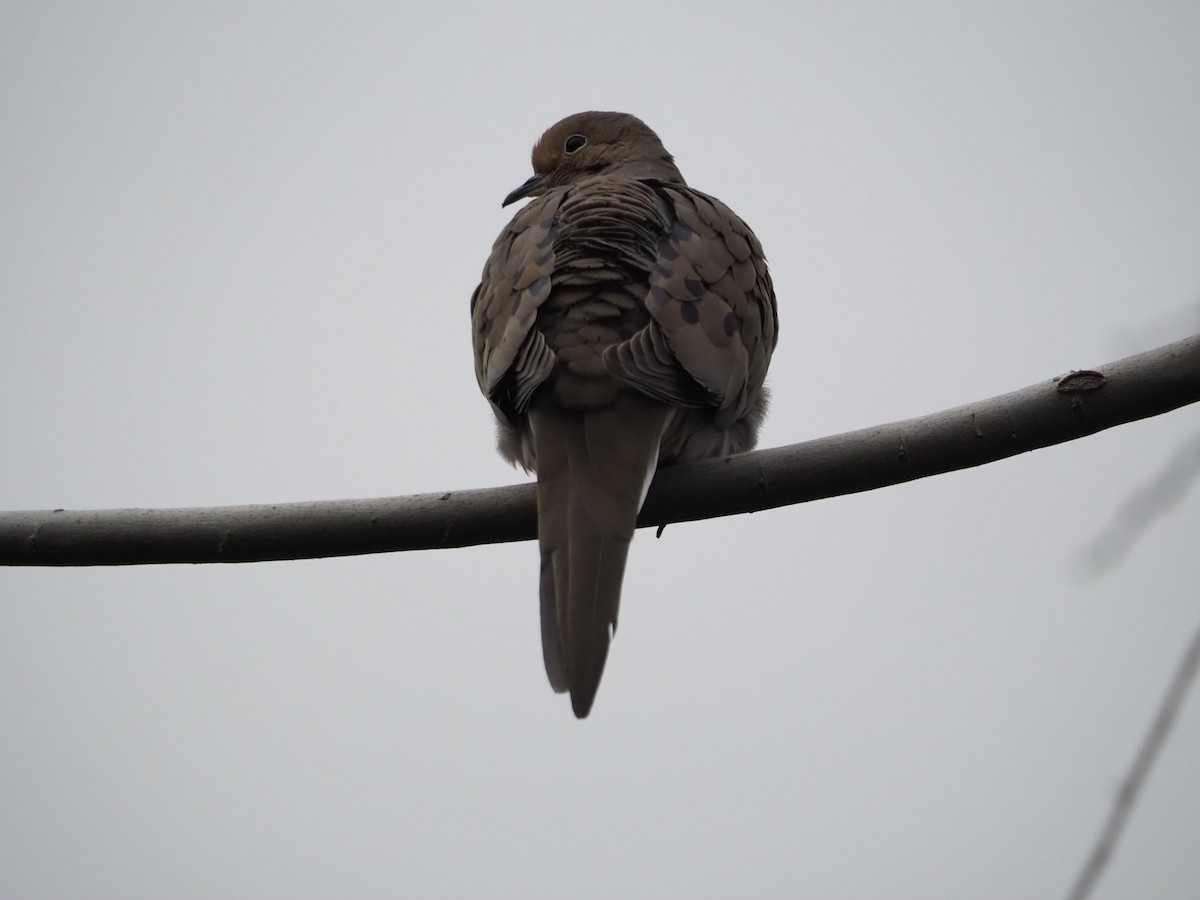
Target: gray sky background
{"x": 237, "y": 243}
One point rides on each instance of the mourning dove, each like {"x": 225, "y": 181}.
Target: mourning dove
{"x": 623, "y": 320}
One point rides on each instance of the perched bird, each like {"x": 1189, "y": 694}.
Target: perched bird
{"x": 623, "y": 320}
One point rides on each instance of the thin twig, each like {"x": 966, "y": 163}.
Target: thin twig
{"x": 1132, "y": 786}
{"x": 1141, "y": 509}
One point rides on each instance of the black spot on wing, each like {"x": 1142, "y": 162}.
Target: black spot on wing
{"x": 539, "y": 288}
{"x": 732, "y": 323}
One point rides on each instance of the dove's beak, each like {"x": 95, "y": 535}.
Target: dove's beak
{"x": 530, "y": 188}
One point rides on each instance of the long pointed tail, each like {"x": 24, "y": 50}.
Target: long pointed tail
{"x": 593, "y": 471}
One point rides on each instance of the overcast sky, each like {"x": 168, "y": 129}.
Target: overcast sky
{"x": 237, "y": 243}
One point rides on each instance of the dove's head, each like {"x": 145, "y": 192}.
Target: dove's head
{"x": 596, "y": 143}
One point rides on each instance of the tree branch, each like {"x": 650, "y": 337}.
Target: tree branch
{"x": 1052, "y": 412}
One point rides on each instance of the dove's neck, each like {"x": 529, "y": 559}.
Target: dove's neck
{"x": 647, "y": 169}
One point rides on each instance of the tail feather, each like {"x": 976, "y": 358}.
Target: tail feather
{"x": 593, "y": 471}
{"x": 552, "y": 655}
{"x": 597, "y": 567}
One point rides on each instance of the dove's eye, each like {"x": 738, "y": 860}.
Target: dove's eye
{"x": 574, "y": 144}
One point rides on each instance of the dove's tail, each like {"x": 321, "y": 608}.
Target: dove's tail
{"x": 593, "y": 471}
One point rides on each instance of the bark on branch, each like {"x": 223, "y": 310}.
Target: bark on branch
{"x": 1062, "y": 409}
